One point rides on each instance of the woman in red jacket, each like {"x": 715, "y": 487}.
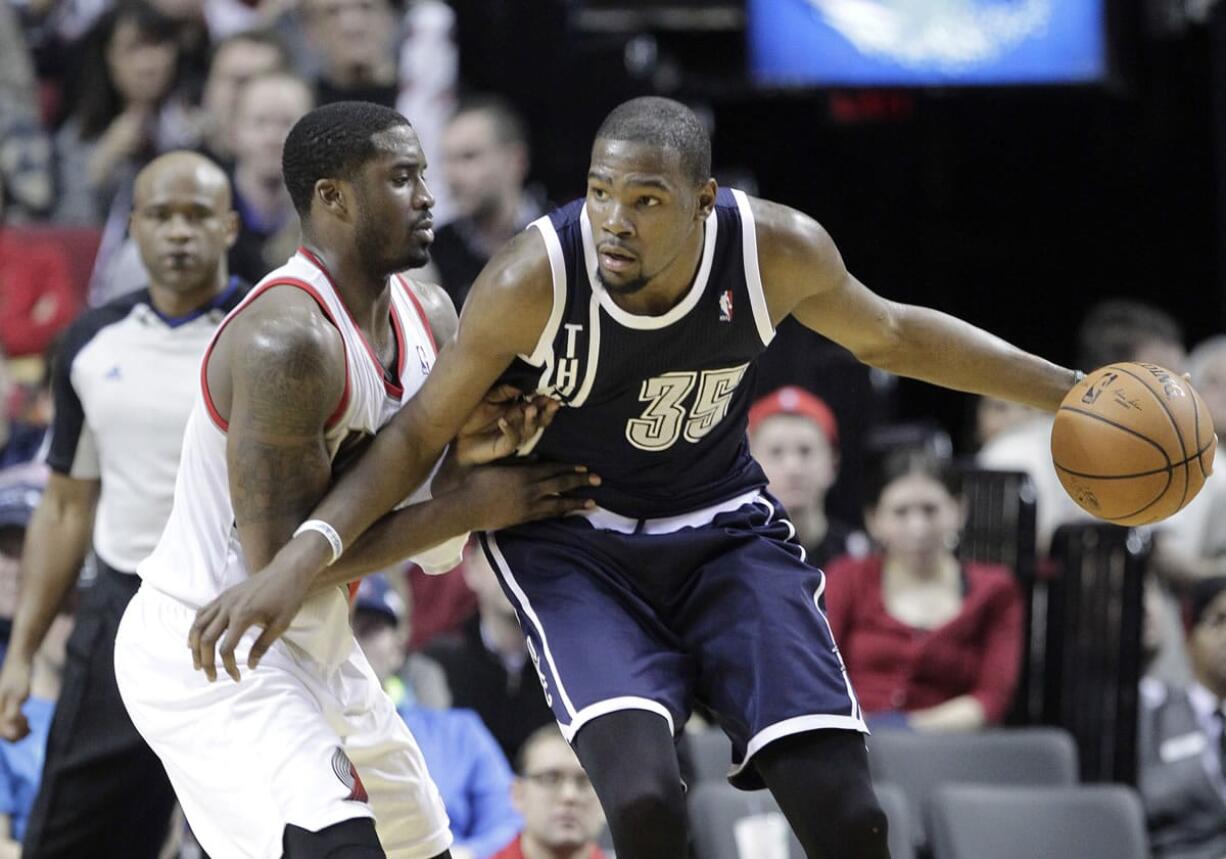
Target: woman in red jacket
{"x": 930, "y": 643}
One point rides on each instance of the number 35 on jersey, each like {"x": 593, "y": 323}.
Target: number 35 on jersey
{"x": 685, "y": 404}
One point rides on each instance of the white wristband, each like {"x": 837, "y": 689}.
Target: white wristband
{"x": 329, "y": 534}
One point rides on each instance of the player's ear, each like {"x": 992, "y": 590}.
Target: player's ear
{"x": 706, "y": 199}
{"x": 232, "y": 227}
{"x": 332, "y": 197}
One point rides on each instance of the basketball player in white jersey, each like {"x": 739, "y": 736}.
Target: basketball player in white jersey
{"x": 308, "y": 757}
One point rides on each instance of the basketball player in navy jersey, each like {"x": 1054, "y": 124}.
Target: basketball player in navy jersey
{"x": 641, "y": 310}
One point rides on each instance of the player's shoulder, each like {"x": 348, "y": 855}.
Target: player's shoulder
{"x": 435, "y": 303}
{"x": 284, "y": 322}
{"x": 777, "y": 223}
{"x": 520, "y": 269}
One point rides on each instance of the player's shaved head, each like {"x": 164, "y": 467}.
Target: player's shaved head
{"x": 183, "y": 170}
{"x": 665, "y": 124}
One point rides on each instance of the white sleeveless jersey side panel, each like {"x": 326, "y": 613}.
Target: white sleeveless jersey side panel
{"x": 199, "y": 554}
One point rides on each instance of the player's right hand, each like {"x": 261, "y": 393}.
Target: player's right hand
{"x": 499, "y": 496}
{"x": 269, "y": 600}
{"x": 14, "y": 690}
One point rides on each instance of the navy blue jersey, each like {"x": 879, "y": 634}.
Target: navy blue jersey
{"x": 656, "y": 405}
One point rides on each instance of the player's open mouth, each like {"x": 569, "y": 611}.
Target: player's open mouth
{"x": 616, "y": 259}
{"x": 179, "y": 259}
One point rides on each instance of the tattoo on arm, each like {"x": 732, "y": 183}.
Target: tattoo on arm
{"x": 286, "y": 383}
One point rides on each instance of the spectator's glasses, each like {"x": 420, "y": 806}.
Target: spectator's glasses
{"x": 552, "y": 780}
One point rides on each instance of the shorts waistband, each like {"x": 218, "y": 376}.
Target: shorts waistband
{"x": 607, "y": 520}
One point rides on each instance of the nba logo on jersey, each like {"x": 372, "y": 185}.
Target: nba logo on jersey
{"x": 725, "y": 306}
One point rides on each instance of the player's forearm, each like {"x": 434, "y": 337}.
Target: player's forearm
{"x": 397, "y": 536}
{"x": 388, "y": 472}
{"x": 938, "y": 348}
{"x": 56, "y": 543}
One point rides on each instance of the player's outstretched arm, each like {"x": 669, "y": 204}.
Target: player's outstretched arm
{"x": 487, "y": 498}
{"x": 56, "y": 543}
{"x": 504, "y": 316}
{"x": 284, "y": 368}
{"x": 803, "y": 275}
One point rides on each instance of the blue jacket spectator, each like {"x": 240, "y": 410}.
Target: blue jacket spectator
{"x": 21, "y": 762}
{"x": 470, "y": 770}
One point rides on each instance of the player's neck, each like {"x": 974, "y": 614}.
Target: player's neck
{"x": 173, "y": 303}
{"x": 364, "y": 293}
{"x": 668, "y": 288}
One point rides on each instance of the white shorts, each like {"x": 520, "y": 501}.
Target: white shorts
{"x": 279, "y": 747}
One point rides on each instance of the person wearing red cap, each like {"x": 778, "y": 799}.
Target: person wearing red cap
{"x": 795, "y": 438}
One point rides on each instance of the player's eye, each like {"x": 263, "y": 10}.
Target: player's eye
{"x": 600, "y": 194}
{"x": 649, "y": 202}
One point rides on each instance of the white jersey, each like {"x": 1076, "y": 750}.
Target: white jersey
{"x": 199, "y": 554}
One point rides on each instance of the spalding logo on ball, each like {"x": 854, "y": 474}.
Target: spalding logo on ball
{"x": 1133, "y": 443}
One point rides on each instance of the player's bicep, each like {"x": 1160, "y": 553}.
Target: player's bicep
{"x": 805, "y": 276}
{"x": 504, "y": 315}
{"x": 286, "y": 382}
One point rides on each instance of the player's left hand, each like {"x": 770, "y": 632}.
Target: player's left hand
{"x": 502, "y": 422}
{"x": 266, "y": 600}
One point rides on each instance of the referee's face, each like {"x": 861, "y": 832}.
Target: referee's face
{"x": 183, "y": 224}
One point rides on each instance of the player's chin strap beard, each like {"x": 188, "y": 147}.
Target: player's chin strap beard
{"x": 628, "y": 288}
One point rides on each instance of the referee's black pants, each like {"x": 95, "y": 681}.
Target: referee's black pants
{"x": 104, "y": 792}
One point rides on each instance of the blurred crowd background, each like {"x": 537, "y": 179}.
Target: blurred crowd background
{"x": 1082, "y": 219}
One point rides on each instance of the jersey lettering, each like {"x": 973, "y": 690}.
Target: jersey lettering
{"x": 714, "y": 396}
{"x": 666, "y": 418}
{"x": 660, "y": 424}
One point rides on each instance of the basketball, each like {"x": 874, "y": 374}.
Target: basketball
{"x": 1133, "y": 443}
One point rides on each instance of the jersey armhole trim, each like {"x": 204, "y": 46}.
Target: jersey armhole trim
{"x": 543, "y": 352}
{"x": 753, "y": 273}
{"x": 421, "y": 312}
{"x": 221, "y": 423}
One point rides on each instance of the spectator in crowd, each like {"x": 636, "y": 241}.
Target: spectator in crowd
{"x": 21, "y": 763}
{"x": 26, "y": 411}
{"x": 265, "y": 110}
{"x": 795, "y": 438}
{"x": 356, "y": 41}
{"x": 1180, "y": 739}
{"x": 487, "y": 664}
{"x": 485, "y": 166}
{"x": 465, "y": 762}
{"x": 129, "y": 70}
{"x": 236, "y": 60}
{"x": 1197, "y": 534}
{"x": 994, "y": 417}
{"x": 1115, "y": 330}
{"x": 929, "y": 643}
{"x": 438, "y": 605}
{"x": 562, "y": 816}
{"x": 124, "y": 386}
{"x": 25, "y": 152}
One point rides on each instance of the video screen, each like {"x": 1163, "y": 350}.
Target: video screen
{"x": 926, "y": 42}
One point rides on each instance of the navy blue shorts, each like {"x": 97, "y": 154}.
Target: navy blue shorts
{"x": 727, "y": 613}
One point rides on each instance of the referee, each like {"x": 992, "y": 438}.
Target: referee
{"x": 124, "y": 385}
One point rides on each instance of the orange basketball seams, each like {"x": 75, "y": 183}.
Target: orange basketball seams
{"x": 1133, "y": 443}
